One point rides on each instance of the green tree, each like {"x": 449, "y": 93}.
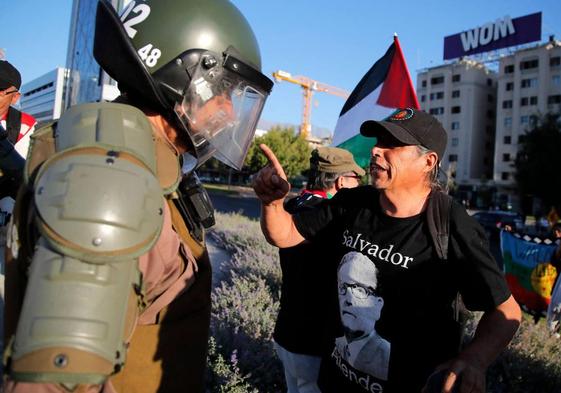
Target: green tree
{"x": 538, "y": 162}
{"x": 292, "y": 151}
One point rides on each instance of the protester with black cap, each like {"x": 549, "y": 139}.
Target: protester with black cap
{"x": 303, "y": 312}
{"x": 18, "y": 125}
{"x": 387, "y": 223}
{"x": 15, "y": 129}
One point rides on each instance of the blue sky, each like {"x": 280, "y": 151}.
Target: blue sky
{"x": 334, "y": 42}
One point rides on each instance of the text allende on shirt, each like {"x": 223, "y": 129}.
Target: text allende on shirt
{"x": 364, "y": 380}
{"x": 384, "y": 254}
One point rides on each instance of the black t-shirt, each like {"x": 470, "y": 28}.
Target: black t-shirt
{"x": 303, "y": 313}
{"x": 393, "y": 295}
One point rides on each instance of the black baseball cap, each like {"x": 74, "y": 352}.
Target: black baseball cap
{"x": 9, "y": 76}
{"x": 411, "y": 127}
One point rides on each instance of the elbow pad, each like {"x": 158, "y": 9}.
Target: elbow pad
{"x": 98, "y": 207}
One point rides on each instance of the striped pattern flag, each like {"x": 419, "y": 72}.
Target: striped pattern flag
{"x": 385, "y": 87}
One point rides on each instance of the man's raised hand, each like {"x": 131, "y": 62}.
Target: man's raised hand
{"x": 270, "y": 182}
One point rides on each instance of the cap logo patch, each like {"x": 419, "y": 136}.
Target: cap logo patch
{"x": 402, "y": 114}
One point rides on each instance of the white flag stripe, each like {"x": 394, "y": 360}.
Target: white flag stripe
{"x": 349, "y": 124}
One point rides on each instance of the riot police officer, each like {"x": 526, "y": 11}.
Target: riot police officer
{"x": 109, "y": 278}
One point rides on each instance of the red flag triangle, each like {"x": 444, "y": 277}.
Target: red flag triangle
{"x": 398, "y": 90}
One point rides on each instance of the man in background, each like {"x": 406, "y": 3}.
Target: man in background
{"x": 15, "y": 130}
{"x": 16, "y": 125}
{"x": 303, "y": 312}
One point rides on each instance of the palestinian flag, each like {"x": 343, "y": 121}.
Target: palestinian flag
{"x": 385, "y": 87}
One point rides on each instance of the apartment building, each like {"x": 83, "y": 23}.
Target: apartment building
{"x": 462, "y": 96}
{"x": 43, "y": 97}
{"x": 529, "y": 84}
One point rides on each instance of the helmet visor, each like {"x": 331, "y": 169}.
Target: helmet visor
{"x": 220, "y": 110}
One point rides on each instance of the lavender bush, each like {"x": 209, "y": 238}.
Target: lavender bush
{"x": 245, "y": 306}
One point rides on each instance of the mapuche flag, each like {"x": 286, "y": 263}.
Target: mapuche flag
{"x": 385, "y": 87}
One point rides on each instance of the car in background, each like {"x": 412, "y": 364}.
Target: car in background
{"x": 494, "y": 220}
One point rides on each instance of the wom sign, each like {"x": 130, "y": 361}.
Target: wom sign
{"x": 494, "y": 35}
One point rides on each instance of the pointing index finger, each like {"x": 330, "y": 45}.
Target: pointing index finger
{"x": 273, "y": 160}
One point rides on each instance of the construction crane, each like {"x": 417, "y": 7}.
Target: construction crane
{"x": 308, "y": 87}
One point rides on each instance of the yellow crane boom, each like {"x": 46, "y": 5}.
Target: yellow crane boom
{"x": 308, "y": 87}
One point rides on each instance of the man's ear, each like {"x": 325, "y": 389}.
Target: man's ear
{"x": 339, "y": 183}
{"x": 15, "y": 97}
{"x": 431, "y": 160}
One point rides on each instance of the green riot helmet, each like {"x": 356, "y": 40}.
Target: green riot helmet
{"x": 196, "y": 62}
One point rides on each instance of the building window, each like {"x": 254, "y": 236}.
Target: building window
{"x": 423, "y": 98}
{"x": 524, "y": 119}
{"x": 521, "y": 138}
{"x": 555, "y": 99}
{"x": 423, "y": 83}
{"x": 531, "y": 82}
{"x": 555, "y": 61}
{"x": 436, "y": 111}
{"x": 490, "y": 114}
{"x": 533, "y": 120}
{"x": 524, "y": 101}
{"x": 508, "y": 122}
{"x": 556, "y": 80}
{"x": 507, "y": 140}
{"x": 505, "y": 175}
{"x": 455, "y": 125}
{"x": 437, "y": 80}
{"x": 38, "y": 89}
{"x": 506, "y": 157}
{"x": 490, "y": 98}
{"x": 489, "y": 82}
{"x": 529, "y": 64}
{"x": 456, "y": 78}
{"x": 533, "y": 100}
{"x": 455, "y": 141}
{"x": 452, "y": 157}
{"x": 455, "y": 109}
{"x": 437, "y": 96}
{"x": 455, "y": 93}
{"x": 509, "y": 86}
{"x": 509, "y": 69}
{"x": 507, "y": 104}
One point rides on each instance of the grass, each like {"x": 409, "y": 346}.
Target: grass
{"x": 245, "y": 304}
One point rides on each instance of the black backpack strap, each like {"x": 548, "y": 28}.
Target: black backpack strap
{"x": 438, "y": 220}
{"x": 13, "y": 124}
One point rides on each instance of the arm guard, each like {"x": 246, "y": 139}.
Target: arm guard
{"x": 98, "y": 206}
